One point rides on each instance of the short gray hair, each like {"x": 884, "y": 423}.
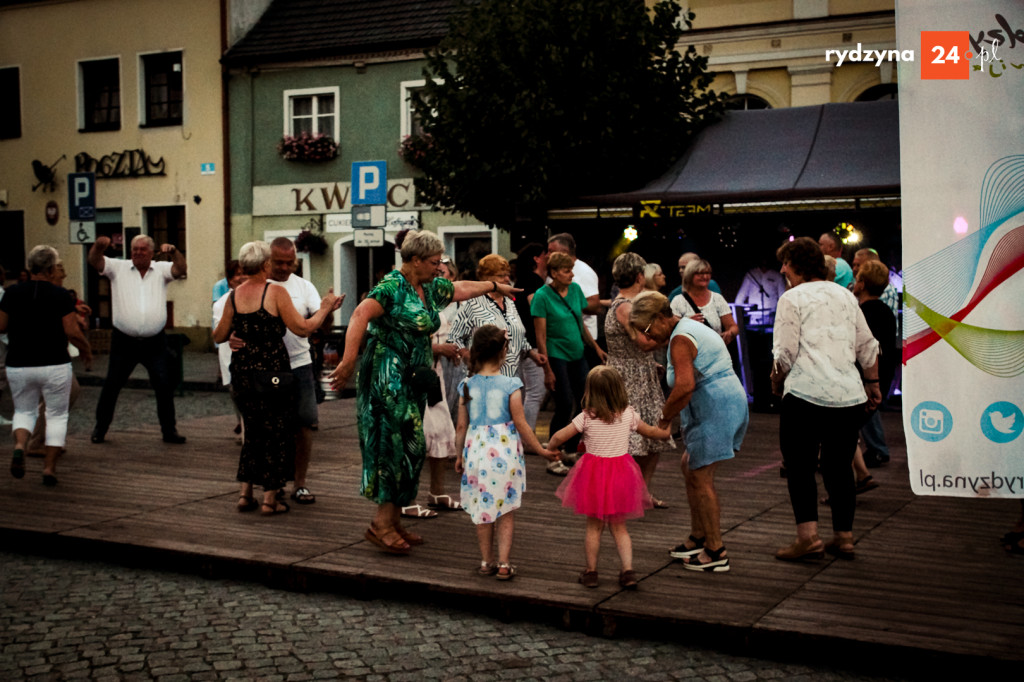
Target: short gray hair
{"x": 627, "y": 268}
{"x": 252, "y": 256}
{"x": 146, "y": 238}
{"x": 566, "y": 240}
{"x": 651, "y": 271}
{"x": 421, "y": 244}
{"x": 42, "y": 259}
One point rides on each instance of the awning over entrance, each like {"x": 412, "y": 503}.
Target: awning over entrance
{"x": 831, "y": 150}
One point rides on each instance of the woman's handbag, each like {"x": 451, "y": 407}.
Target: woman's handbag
{"x": 275, "y": 383}
{"x": 424, "y": 381}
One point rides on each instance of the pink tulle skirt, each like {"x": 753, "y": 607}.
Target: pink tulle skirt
{"x": 606, "y": 488}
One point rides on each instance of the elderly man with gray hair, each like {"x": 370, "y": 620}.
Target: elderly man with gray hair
{"x": 138, "y": 292}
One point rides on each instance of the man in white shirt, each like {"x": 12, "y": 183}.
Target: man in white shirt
{"x": 307, "y": 302}
{"x": 138, "y": 292}
{"x": 583, "y": 275}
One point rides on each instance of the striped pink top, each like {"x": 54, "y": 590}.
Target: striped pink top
{"x": 607, "y": 440}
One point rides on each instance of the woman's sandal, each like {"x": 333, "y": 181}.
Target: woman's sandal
{"x": 412, "y": 538}
{"x": 246, "y": 503}
{"x": 278, "y": 507}
{"x": 841, "y": 549}
{"x": 417, "y": 512}
{"x": 717, "y": 563}
{"x": 487, "y": 569}
{"x": 444, "y": 502}
{"x": 802, "y": 550}
{"x": 388, "y": 540}
{"x": 505, "y": 572}
{"x": 681, "y": 551}
{"x": 18, "y": 464}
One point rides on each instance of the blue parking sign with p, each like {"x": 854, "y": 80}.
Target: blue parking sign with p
{"x": 369, "y": 182}
{"x": 82, "y": 196}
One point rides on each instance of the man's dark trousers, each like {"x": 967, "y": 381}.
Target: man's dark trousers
{"x": 125, "y": 353}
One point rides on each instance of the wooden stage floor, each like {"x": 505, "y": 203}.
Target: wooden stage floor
{"x": 930, "y": 580}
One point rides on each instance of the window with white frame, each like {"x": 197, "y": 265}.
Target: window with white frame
{"x": 100, "y": 94}
{"x": 312, "y": 111}
{"x": 162, "y": 93}
{"x": 411, "y": 123}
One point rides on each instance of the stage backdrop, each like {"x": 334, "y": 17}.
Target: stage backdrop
{"x": 962, "y": 175}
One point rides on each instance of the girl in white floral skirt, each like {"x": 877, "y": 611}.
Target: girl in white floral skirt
{"x": 491, "y": 424}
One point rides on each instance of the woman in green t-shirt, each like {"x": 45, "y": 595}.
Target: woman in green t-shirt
{"x": 557, "y": 310}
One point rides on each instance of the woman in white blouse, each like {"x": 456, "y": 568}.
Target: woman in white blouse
{"x": 699, "y": 303}
{"x": 820, "y": 333}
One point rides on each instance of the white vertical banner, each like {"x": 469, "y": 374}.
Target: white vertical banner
{"x": 962, "y": 177}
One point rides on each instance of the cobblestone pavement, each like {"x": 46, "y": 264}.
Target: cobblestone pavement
{"x": 64, "y": 620}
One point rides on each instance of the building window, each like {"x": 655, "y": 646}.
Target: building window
{"x": 312, "y": 111}
{"x": 161, "y": 87}
{"x": 166, "y": 225}
{"x": 746, "y": 103}
{"x": 10, "y": 103}
{"x": 101, "y": 95}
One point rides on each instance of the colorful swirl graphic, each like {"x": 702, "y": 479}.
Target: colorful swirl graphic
{"x": 937, "y": 288}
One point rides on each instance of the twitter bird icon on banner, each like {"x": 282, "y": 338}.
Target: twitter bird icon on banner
{"x": 1002, "y": 422}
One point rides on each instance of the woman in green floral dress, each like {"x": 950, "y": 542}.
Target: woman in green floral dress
{"x": 397, "y": 318}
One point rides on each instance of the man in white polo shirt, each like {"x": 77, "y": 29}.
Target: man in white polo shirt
{"x": 138, "y": 291}
{"x": 307, "y": 302}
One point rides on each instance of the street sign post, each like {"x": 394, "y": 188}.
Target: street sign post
{"x": 82, "y": 208}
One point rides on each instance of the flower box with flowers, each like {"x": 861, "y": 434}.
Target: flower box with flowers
{"x": 311, "y": 242}
{"x": 307, "y": 147}
{"x": 415, "y": 148}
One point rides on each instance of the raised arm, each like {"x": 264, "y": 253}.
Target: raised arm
{"x": 296, "y": 323}
{"x": 466, "y": 289}
{"x": 96, "y": 251}
{"x": 179, "y": 268}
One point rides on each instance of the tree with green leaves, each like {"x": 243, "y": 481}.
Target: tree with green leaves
{"x": 532, "y": 103}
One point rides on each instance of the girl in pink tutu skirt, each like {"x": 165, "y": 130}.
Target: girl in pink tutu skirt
{"x": 606, "y": 484}
{"x": 492, "y": 428}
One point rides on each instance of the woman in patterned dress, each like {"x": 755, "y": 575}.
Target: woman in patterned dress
{"x": 637, "y": 365}
{"x": 398, "y": 317}
{"x": 258, "y": 314}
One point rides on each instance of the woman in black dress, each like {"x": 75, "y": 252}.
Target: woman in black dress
{"x": 255, "y": 317}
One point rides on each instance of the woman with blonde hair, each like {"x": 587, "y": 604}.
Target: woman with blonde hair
{"x": 698, "y": 302}
{"x": 396, "y": 379}
{"x": 712, "y": 405}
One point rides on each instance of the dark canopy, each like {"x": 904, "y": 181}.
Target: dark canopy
{"x": 830, "y": 150}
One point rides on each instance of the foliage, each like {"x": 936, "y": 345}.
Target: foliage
{"x": 532, "y": 103}
{"x": 308, "y": 241}
{"x": 307, "y": 147}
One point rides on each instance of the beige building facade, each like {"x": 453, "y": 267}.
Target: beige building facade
{"x": 130, "y": 90}
{"x": 772, "y": 52}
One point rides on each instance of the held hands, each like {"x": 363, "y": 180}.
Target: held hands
{"x": 550, "y": 455}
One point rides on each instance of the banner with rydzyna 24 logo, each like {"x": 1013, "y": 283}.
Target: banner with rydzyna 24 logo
{"x": 962, "y": 176}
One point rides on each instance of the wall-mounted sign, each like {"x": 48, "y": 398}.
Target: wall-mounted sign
{"x": 325, "y": 197}
{"x": 52, "y": 212}
{"x": 396, "y": 221}
{"x": 81, "y": 196}
{"x": 207, "y": 168}
{"x": 131, "y": 163}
